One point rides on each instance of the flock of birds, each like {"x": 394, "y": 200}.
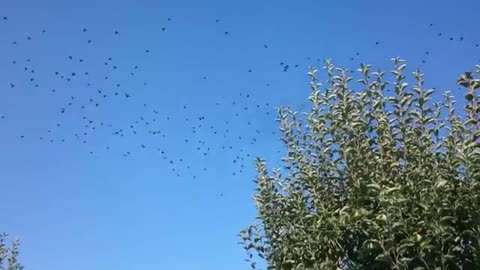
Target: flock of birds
{"x": 151, "y": 121}
{"x": 202, "y": 134}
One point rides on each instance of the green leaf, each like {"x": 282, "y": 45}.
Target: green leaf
{"x": 441, "y": 184}
{"x": 392, "y": 190}
{"x": 373, "y": 186}
{"x": 383, "y": 257}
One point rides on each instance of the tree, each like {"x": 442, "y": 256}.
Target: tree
{"x": 9, "y": 255}
{"x": 373, "y": 180}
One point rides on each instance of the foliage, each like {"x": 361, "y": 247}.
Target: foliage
{"x": 9, "y": 255}
{"x": 373, "y": 180}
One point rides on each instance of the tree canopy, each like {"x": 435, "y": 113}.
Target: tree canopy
{"x": 377, "y": 175}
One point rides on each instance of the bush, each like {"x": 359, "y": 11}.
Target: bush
{"x": 372, "y": 181}
{"x": 8, "y": 256}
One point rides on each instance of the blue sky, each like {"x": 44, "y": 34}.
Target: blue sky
{"x": 162, "y": 179}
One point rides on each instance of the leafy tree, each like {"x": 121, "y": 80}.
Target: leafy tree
{"x": 372, "y": 180}
{"x": 9, "y": 255}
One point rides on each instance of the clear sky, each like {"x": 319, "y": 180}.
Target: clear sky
{"x": 129, "y": 128}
